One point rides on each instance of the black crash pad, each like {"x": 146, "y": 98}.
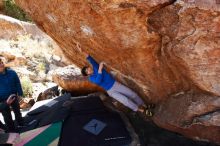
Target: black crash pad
{"x": 45, "y": 114}
{"x": 91, "y": 124}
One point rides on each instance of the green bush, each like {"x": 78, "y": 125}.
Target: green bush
{"x": 27, "y": 86}
{"x": 11, "y": 9}
{"x": 41, "y": 67}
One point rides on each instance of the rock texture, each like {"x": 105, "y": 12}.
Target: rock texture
{"x": 11, "y": 28}
{"x": 107, "y": 28}
{"x": 190, "y": 45}
{"x": 195, "y": 115}
{"x": 168, "y": 52}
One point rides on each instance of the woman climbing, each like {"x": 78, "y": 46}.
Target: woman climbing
{"x": 99, "y": 76}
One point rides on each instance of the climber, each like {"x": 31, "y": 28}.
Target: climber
{"x": 99, "y": 76}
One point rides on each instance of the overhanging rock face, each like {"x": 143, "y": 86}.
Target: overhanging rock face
{"x": 163, "y": 50}
{"x": 113, "y": 31}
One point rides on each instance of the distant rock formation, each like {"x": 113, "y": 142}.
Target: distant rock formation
{"x": 31, "y": 53}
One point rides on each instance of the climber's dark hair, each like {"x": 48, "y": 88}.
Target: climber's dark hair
{"x": 84, "y": 71}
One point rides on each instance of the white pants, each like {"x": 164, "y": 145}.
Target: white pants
{"x": 125, "y": 96}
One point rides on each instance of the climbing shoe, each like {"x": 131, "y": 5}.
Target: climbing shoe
{"x": 150, "y": 106}
{"x": 148, "y": 112}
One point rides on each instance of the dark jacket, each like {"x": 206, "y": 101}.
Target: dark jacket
{"x": 9, "y": 84}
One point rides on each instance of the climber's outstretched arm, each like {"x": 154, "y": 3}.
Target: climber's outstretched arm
{"x": 80, "y": 50}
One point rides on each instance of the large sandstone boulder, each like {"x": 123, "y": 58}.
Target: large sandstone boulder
{"x": 195, "y": 115}
{"x": 190, "y": 46}
{"x": 113, "y": 31}
{"x": 168, "y": 52}
{"x": 10, "y": 28}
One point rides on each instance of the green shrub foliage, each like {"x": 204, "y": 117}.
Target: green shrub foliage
{"x": 11, "y": 9}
